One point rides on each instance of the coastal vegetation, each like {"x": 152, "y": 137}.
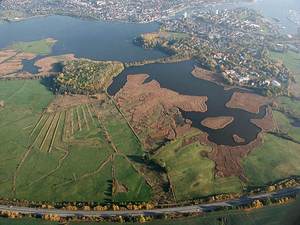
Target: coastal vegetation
{"x": 86, "y": 76}
{"x": 217, "y": 122}
{"x": 39, "y": 47}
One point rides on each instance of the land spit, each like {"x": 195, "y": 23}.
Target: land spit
{"x": 217, "y": 122}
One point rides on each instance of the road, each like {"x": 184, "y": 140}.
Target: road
{"x": 179, "y": 209}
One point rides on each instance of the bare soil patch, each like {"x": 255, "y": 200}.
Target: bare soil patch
{"x": 247, "y": 101}
{"x": 2, "y": 104}
{"x": 63, "y": 102}
{"x": 217, "y": 122}
{"x": 117, "y": 187}
{"x": 154, "y": 111}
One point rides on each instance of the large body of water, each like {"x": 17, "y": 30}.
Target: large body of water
{"x": 113, "y": 41}
{"x": 85, "y": 38}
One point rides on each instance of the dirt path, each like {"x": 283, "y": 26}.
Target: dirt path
{"x": 24, "y": 157}
{"x": 124, "y": 117}
{"x": 60, "y": 162}
{"x": 18, "y": 91}
{"x": 37, "y": 124}
{"x": 86, "y": 175}
{"x": 9, "y": 58}
{"x": 84, "y": 117}
{"x": 48, "y": 132}
{"x": 54, "y": 134}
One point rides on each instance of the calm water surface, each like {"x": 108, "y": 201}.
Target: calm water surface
{"x": 85, "y": 38}
{"x": 113, "y": 41}
{"x": 178, "y": 77}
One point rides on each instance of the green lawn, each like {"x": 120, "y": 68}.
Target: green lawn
{"x": 191, "y": 174}
{"x": 40, "y": 47}
{"x": 275, "y": 159}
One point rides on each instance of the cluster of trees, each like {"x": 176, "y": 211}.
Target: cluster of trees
{"x": 86, "y": 77}
{"x": 10, "y": 214}
{"x": 277, "y": 186}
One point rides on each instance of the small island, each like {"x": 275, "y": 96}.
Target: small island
{"x": 238, "y": 139}
{"x": 217, "y": 122}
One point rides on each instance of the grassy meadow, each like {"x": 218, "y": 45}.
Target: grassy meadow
{"x": 275, "y": 159}
{"x": 191, "y": 174}
{"x": 65, "y": 155}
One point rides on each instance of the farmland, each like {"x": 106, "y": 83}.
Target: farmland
{"x": 198, "y": 178}
{"x": 41, "y": 154}
{"x": 285, "y": 126}
{"x": 260, "y": 168}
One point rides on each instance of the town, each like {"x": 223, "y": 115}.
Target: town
{"x": 141, "y": 11}
{"x": 235, "y": 43}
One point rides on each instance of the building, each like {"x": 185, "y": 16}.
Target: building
{"x": 276, "y": 83}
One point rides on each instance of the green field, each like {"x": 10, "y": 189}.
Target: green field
{"x": 292, "y": 61}
{"x": 290, "y": 105}
{"x": 191, "y": 174}
{"x": 65, "y": 155}
{"x": 275, "y": 159}
{"x": 40, "y": 47}
{"x": 273, "y": 215}
{"x": 285, "y": 125}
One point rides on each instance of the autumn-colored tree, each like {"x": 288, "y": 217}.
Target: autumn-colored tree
{"x": 257, "y": 204}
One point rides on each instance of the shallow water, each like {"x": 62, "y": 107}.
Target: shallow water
{"x": 178, "y": 77}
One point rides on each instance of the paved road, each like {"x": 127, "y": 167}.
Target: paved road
{"x": 179, "y": 209}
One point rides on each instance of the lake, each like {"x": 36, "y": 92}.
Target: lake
{"x": 100, "y": 40}
{"x": 96, "y": 40}
{"x": 178, "y": 77}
